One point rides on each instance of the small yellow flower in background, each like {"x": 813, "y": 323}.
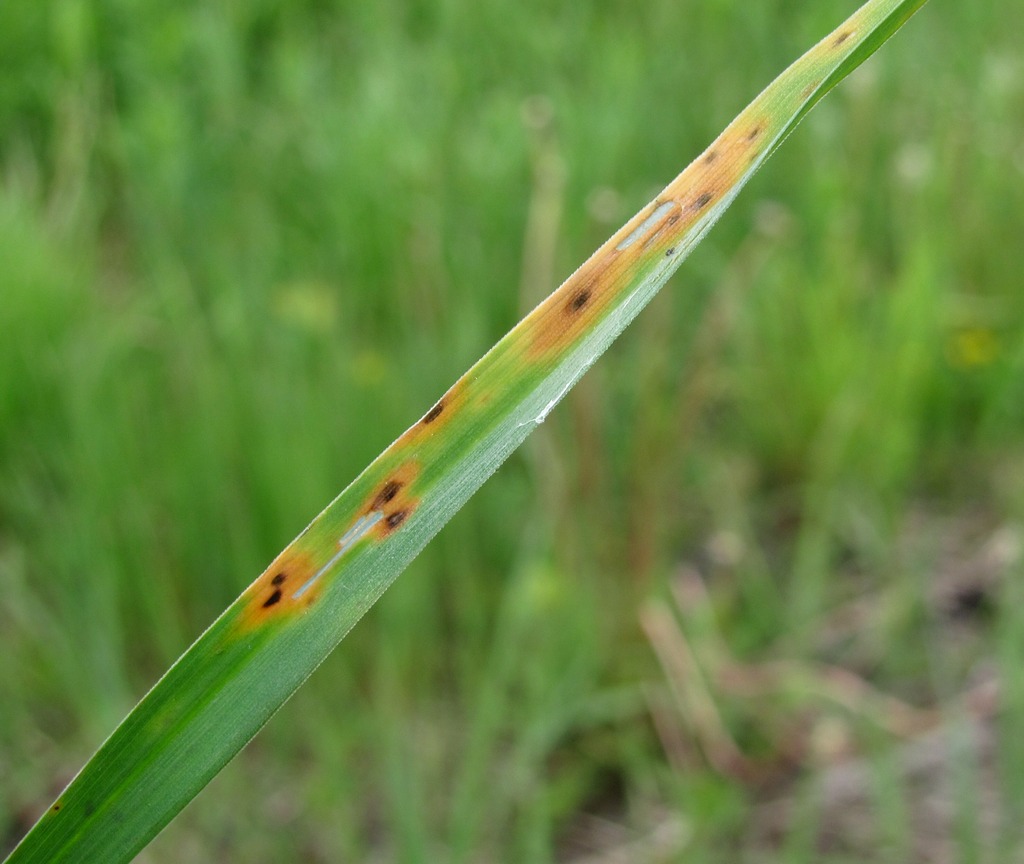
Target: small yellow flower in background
{"x": 309, "y": 306}
{"x": 369, "y": 368}
{"x": 973, "y": 347}
{"x": 542, "y": 590}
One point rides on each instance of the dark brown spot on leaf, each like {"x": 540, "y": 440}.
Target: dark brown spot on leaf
{"x": 278, "y": 579}
{"x": 563, "y": 317}
{"x": 702, "y": 201}
{"x": 55, "y": 807}
{"x": 434, "y": 412}
{"x": 386, "y": 494}
{"x": 711, "y": 157}
{"x": 754, "y": 133}
{"x": 841, "y": 38}
{"x": 272, "y": 599}
{"x": 670, "y": 251}
{"x": 579, "y": 300}
{"x": 395, "y": 519}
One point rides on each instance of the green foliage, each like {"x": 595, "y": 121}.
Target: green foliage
{"x": 320, "y": 200}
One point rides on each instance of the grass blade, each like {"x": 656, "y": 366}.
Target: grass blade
{"x": 227, "y": 685}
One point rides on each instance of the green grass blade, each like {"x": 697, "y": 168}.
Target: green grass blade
{"x": 238, "y": 673}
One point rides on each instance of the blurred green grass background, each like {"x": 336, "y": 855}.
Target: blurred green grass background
{"x": 244, "y": 245}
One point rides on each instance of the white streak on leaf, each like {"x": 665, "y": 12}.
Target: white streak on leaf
{"x": 356, "y": 532}
{"x": 660, "y": 213}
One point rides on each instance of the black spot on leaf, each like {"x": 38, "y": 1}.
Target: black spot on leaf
{"x": 386, "y": 494}
{"x": 434, "y": 412}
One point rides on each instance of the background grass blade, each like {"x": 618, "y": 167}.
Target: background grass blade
{"x": 217, "y": 696}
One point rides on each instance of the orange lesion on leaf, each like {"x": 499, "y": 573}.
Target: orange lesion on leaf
{"x": 273, "y": 593}
{"x": 436, "y": 419}
{"x": 587, "y": 295}
{"x": 392, "y": 499}
{"x": 572, "y": 309}
{"x": 721, "y": 166}
{"x": 295, "y": 580}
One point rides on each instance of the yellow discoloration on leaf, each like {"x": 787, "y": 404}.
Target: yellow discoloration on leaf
{"x": 808, "y": 91}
